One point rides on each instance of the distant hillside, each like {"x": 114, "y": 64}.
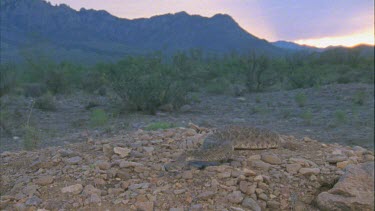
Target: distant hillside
{"x": 30, "y": 27}
{"x": 296, "y": 47}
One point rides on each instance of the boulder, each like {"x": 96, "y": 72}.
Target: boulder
{"x": 353, "y": 191}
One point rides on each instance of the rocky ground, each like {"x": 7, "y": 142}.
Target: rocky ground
{"x": 125, "y": 172}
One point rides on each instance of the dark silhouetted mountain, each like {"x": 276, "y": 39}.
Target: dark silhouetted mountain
{"x": 29, "y": 26}
{"x": 296, "y": 47}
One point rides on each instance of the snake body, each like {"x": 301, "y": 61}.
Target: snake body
{"x": 220, "y": 145}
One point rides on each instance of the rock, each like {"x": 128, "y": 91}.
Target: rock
{"x": 235, "y": 197}
{"x": 177, "y": 209}
{"x": 166, "y": 107}
{"x": 206, "y": 195}
{"x": 335, "y": 158}
{"x": 44, "y": 180}
{"x": 342, "y": 164}
{"x": 353, "y": 191}
{"x": 74, "y": 160}
{"x": 260, "y": 165}
{"x": 122, "y": 151}
{"x": 196, "y": 207}
{"x": 273, "y": 205}
{"x": 107, "y": 150}
{"x": 309, "y": 171}
{"x": 251, "y": 204}
{"x": 95, "y": 199}
{"x": 248, "y": 172}
{"x": 128, "y": 164}
{"x": 258, "y": 178}
{"x": 89, "y": 190}
{"x": 224, "y": 175}
{"x": 293, "y": 168}
{"x": 303, "y": 162}
{"x": 33, "y": 201}
{"x": 187, "y": 175}
{"x": 263, "y": 196}
{"x": 115, "y": 191}
{"x": 148, "y": 149}
{"x": 103, "y": 165}
{"x": 271, "y": 158}
{"x": 145, "y": 206}
{"x": 139, "y": 186}
{"x": 75, "y": 189}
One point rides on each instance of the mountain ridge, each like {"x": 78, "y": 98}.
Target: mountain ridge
{"x": 107, "y": 37}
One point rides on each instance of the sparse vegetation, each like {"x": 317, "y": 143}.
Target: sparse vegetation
{"x": 46, "y": 102}
{"x": 159, "y": 126}
{"x": 307, "y": 116}
{"x": 31, "y": 137}
{"x": 98, "y": 118}
{"x": 340, "y": 117}
{"x": 359, "y": 98}
{"x": 300, "y": 99}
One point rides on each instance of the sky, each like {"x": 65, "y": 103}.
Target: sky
{"x": 318, "y": 23}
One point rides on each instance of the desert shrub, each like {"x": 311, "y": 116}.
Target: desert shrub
{"x": 34, "y": 89}
{"x": 300, "y": 99}
{"x": 359, "y": 98}
{"x": 258, "y": 109}
{"x": 31, "y": 137}
{"x": 98, "y": 117}
{"x": 145, "y": 84}
{"x": 307, "y": 116}
{"x": 93, "y": 80}
{"x": 340, "y": 117}
{"x": 217, "y": 86}
{"x": 159, "y": 126}
{"x": 56, "y": 81}
{"x": 46, "y": 102}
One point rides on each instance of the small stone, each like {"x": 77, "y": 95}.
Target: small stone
{"x": 258, "y": 178}
{"x": 342, "y": 164}
{"x": 309, "y": 171}
{"x": 103, "y": 165}
{"x": 145, "y": 206}
{"x": 248, "y": 172}
{"x": 251, "y": 204}
{"x": 235, "y": 197}
{"x": 114, "y": 191}
{"x": 148, "y": 149}
{"x": 44, "y": 180}
{"x": 273, "y": 205}
{"x": 206, "y": 195}
{"x": 187, "y": 175}
{"x": 74, "y": 160}
{"x": 95, "y": 199}
{"x": 180, "y": 191}
{"x": 90, "y": 189}
{"x": 293, "y": 168}
{"x": 224, "y": 175}
{"x": 75, "y": 189}
{"x": 127, "y": 164}
{"x": 107, "y": 150}
{"x": 33, "y": 201}
{"x": 271, "y": 158}
{"x": 176, "y": 209}
{"x": 335, "y": 158}
{"x": 260, "y": 165}
{"x": 122, "y": 151}
{"x": 263, "y": 196}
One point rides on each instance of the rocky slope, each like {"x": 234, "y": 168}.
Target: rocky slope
{"x": 125, "y": 173}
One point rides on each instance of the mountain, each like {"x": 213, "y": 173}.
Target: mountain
{"x": 35, "y": 27}
{"x": 296, "y": 47}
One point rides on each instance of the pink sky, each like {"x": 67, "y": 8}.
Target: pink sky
{"x": 314, "y": 22}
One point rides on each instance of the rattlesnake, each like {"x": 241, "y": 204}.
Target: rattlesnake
{"x": 220, "y": 145}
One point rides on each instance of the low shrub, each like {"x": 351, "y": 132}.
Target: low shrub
{"x": 359, "y": 98}
{"x": 300, "y": 99}
{"x": 340, "y": 117}
{"x": 98, "y": 118}
{"x": 46, "y": 102}
{"x": 159, "y": 126}
{"x": 31, "y": 138}
{"x": 307, "y": 116}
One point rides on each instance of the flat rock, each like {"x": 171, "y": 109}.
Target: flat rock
{"x": 44, "y": 180}
{"x": 335, "y": 158}
{"x": 103, "y": 165}
{"x": 235, "y": 197}
{"x": 260, "y": 165}
{"x": 309, "y": 171}
{"x": 271, "y": 158}
{"x": 293, "y": 168}
{"x": 251, "y": 204}
{"x": 128, "y": 164}
{"x": 122, "y": 151}
{"x": 206, "y": 195}
{"x": 74, "y": 160}
{"x": 145, "y": 206}
{"x": 33, "y": 201}
{"x": 75, "y": 189}
{"x": 353, "y": 191}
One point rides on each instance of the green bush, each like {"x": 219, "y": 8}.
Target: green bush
{"x": 340, "y": 117}
{"x": 359, "y": 98}
{"x": 159, "y": 126}
{"x": 307, "y": 116}
{"x": 217, "y": 86}
{"x": 98, "y": 118}
{"x": 145, "y": 84}
{"x": 8, "y": 78}
{"x": 46, "y": 102}
{"x": 300, "y": 99}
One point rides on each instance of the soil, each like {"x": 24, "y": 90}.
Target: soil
{"x": 330, "y": 115}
